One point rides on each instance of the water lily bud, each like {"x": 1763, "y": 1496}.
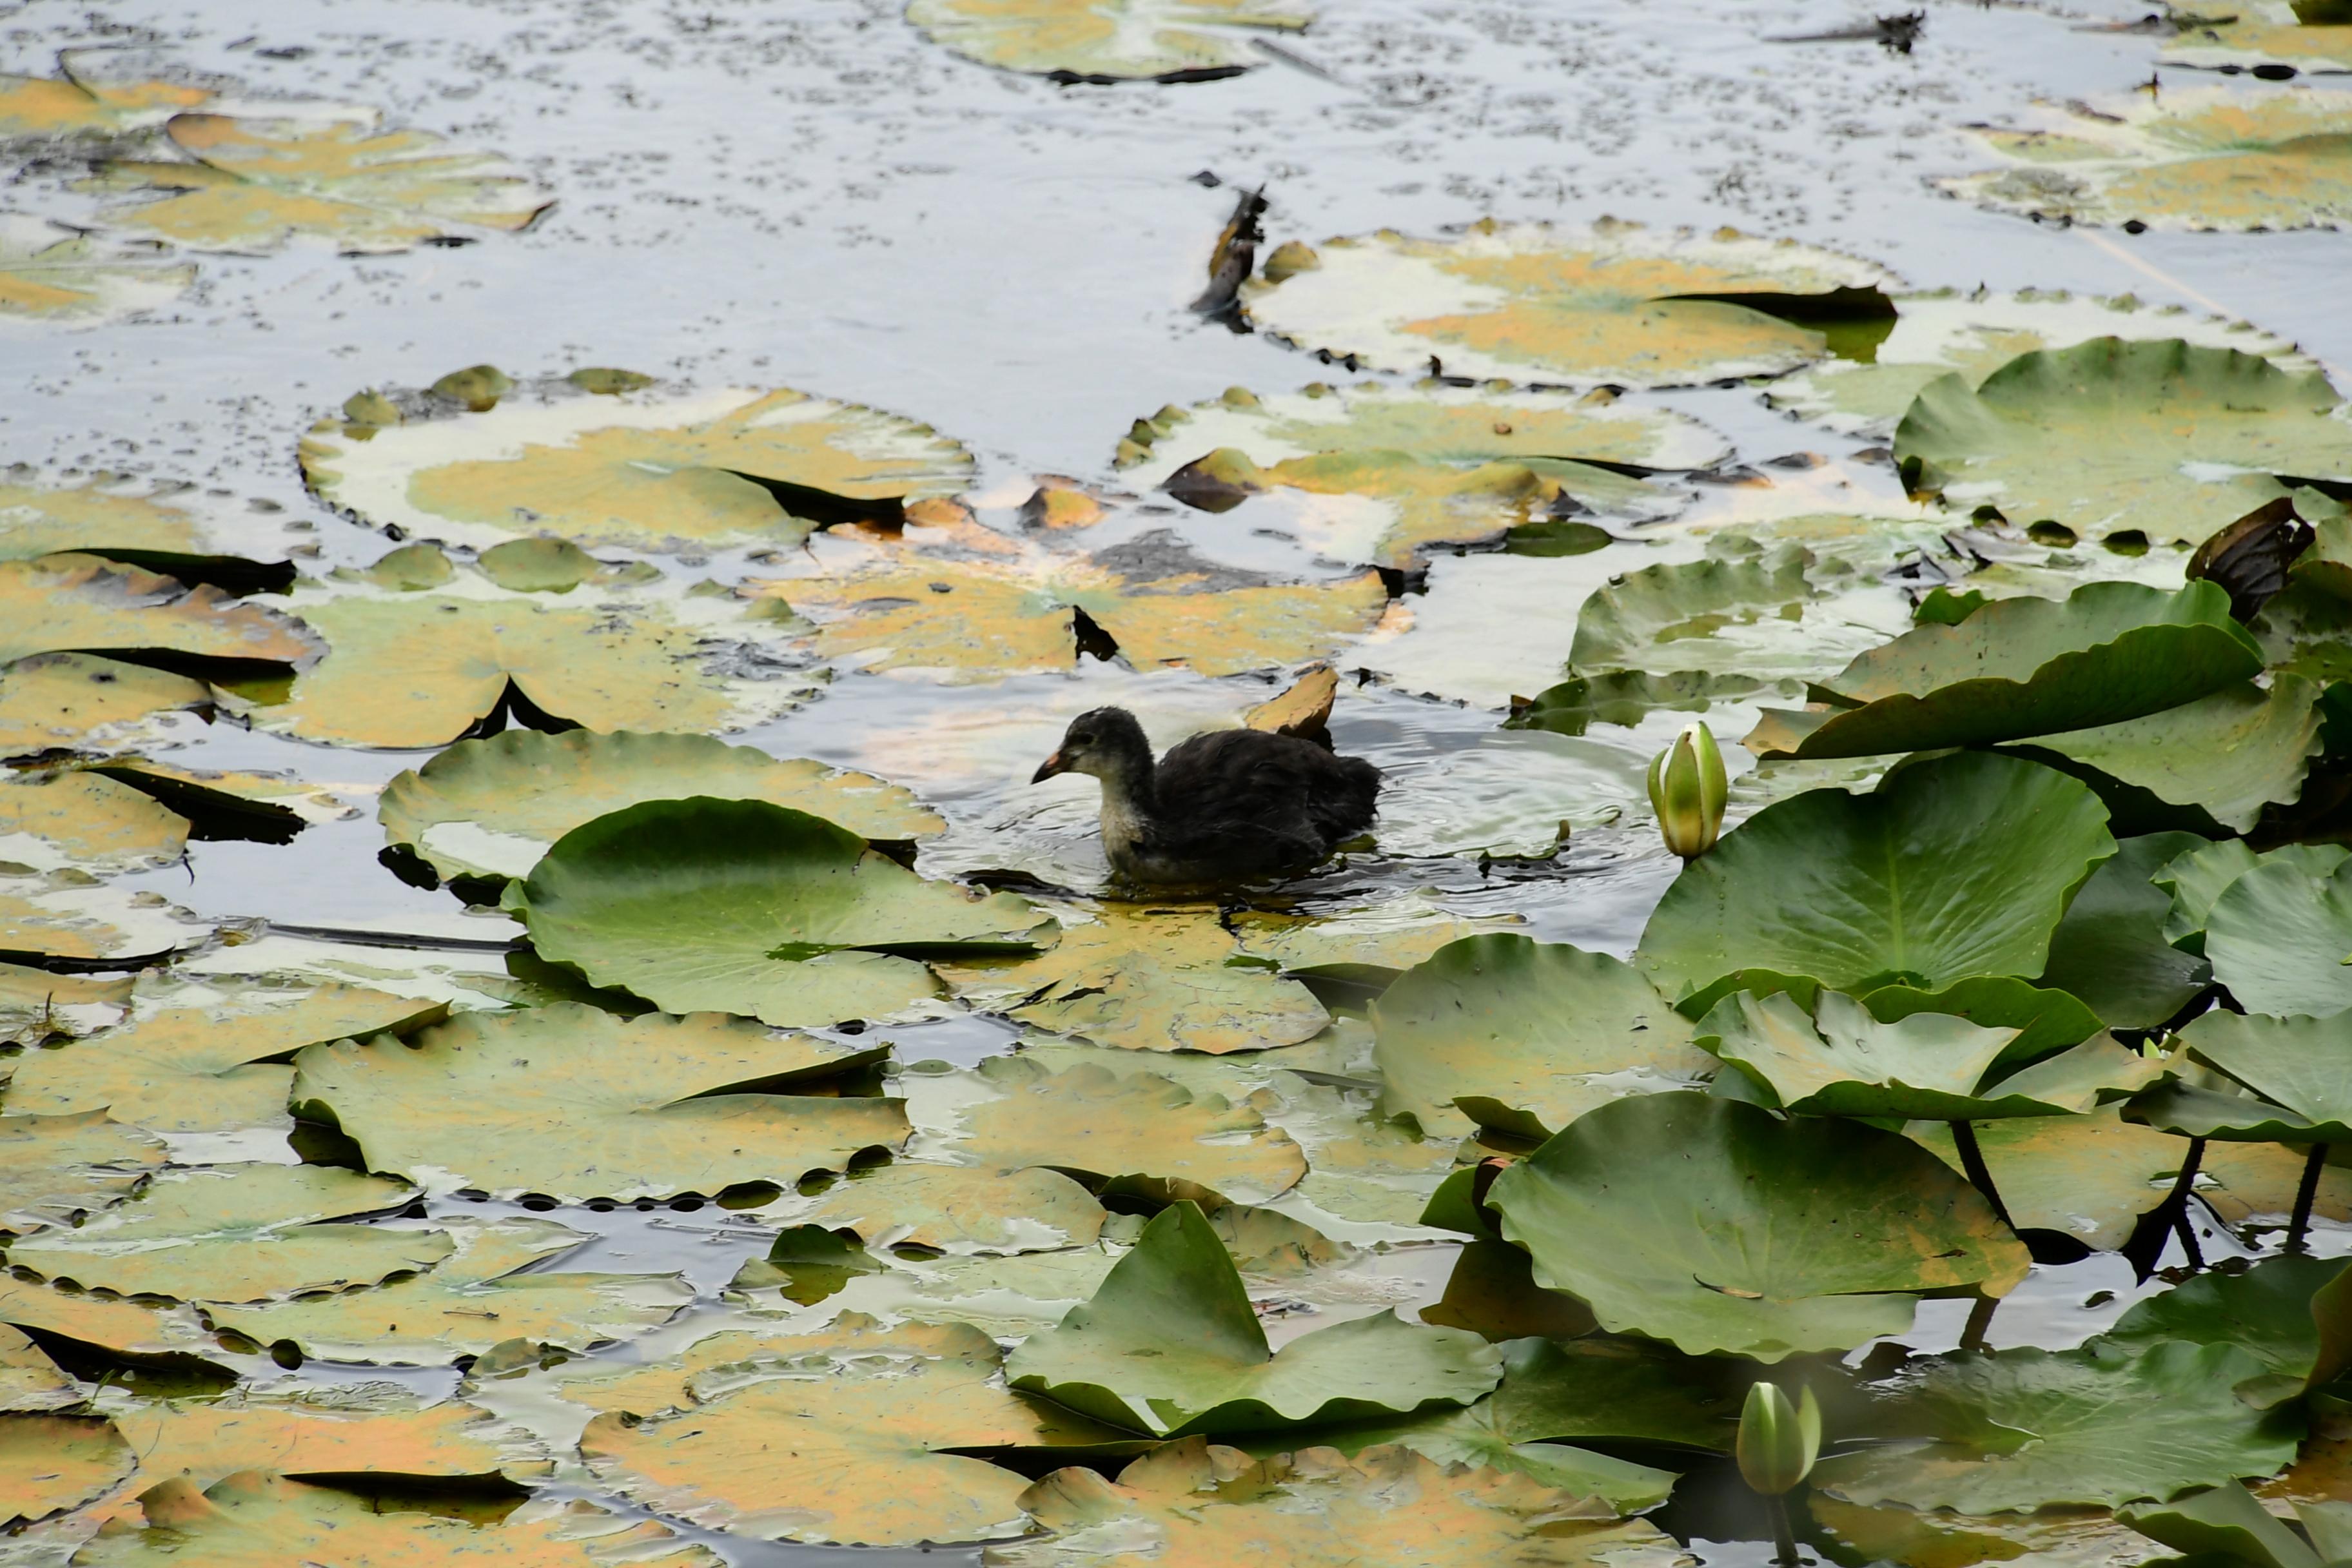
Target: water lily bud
{"x": 1778, "y": 1440}
{"x": 1687, "y": 788}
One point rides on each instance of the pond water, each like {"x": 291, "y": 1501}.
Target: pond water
{"x": 807, "y": 193}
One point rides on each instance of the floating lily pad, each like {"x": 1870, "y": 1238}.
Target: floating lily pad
{"x": 2228, "y": 1524}
{"x": 1170, "y": 1346}
{"x": 1144, "y": 40}
{"x": 1718, "y": 1227}
{"x": 80, "y": 604}
{"x": 491, "y": 1287}
{"x": 2170, "y": 438}
{"x": 424, "y": 667}
{"x": 1479, "y": 1436}
{"x": 1193, "y": 1505}
{"x": 2296, "y": 1073}
{"x": 842, "y": 1447}
{"x": 2263, "y": 32}
{"x": 744, "y": 906}
{"x": 85, "y": 819}
{"x": 490, "y": 808}
{"x": 53, "y": 1169}
{"x": 2030, "y": 1428}
{"x": 659, "y": 467}
{"x": 201, "y": 1059}
{"x": 68, "y": 913}
{"x": 569, "y": 1101}
{"x": 1525, "y": 1037}
{"x": 81, "y": 100}
{"x": 1839, "y": 1061}
{"x": 2089, "y": 1176}
{"x": 1601, "y": 1389}
{"x": 969, "y": 604}
{"x": 2278, "y": 936}
{"x": 954, "y": 1209}
{"x": 51, "y": 1463}
{"x": 2022, "y": 668}
{"x": 1142, "y": 978}
{"x": 1372, "y": 943}
{"x": 29, "y": 1380}
{"x": 236, "y": 1233}
{"x": 2202, "y": 875}
{"x": 2293, "y": 1314}
{"x": 1953, "y": 868}
{"x": 53, "y": 274}
{"x": 1977, "y": 333}
{"x": 2214, "y": 765}
{"x": 2110, "y": 950}
{"x": 57, "y": 700}
{"x": 252, "y": 184}
{"x": 1615, "y": 302}
{"x": 2196, "y": 158}
{"x": 256, "y": 1518}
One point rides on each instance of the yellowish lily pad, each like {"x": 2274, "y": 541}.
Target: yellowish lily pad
{"x": 55, "y": 700}
{"x": 80, "y": 604}
{"x": 2261, "y": 32}
{"x": 53, "y": 274}
{"x": 29, "y": 1380}
{"x": 69, "y": 913}
{"x": 87, "y": 819}
{"x": 1107, "y": 40}
{"x": 80, "y": 100}
{"x": 56, "y": 1169}
{"x": 51, "y": 1463}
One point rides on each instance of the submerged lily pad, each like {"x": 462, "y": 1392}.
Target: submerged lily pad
{"x": 1525, "y": 1037}
{"x": 68, "y": 913}
{"x": 422, "y": 667}
{"x": 56, "y": 1169}
{"x": 2278, "y": 936}
{"x": 251, "y": 185}
{"x": 1954, "y": 869}
{"x": 569, "y": 1101}
{"x": 1171, "y": 1346}
{"x": 1719, "y": 1226}
{"x": 658, "y": 468}
{"x": 1078, "y": 40}
{"x": 48, "y": 273}
{"x": 1194, "y": 1505}
{"x": 744, "y": 906}
{"x": 2196, "y": 158}
{"x": 2170, "y": 438}
{"x": 1615, "y": 302}
{"x": 2030, "y": 1428}
{"x": 489, "y": 807}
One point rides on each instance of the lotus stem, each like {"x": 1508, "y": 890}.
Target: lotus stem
{"x": 1972, "y": 1161}
{"x": 2182, "y": 1186}
{"x": 2304, "y": 1193}
{"x": 1784, "y": 1533}
{"x": 1972, "y": 1335}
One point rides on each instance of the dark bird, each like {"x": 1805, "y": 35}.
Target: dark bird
{"x": 1227, "y": 805}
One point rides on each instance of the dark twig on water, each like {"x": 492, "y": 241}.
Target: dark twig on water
{"x": 1231, "y": 261}
{"x": 2177, "y": 1201}
{"x": 2304, "y": 1195}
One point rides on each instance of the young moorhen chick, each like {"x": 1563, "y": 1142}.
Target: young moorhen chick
{"x": 1227, "y": 805}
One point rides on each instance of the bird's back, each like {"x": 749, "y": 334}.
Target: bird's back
{"x": 1230, "y": 784}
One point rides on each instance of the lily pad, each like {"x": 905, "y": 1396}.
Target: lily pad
{"x": 2263, "y": 32}
{"x": 85, "y": 819}
{"x": 2199, "y": 158}
{"x": 490, "y": 808}
{"x": 1371, "y": 943}
{"x": 1718, "y": 1227}
{"x": 1525, "y": 1037}
{"x": 1170, "y": 1346}
{"x": 2202, "y": 875}
{"x": 251, "y": 185}
{"x": 29, "y": 1380}
{"x": 68, "y": 913}
{"x": 51, "y": 1463}
{"x": 2212, "y": 765}
{"x": 573, "y": 1103}
{"x": 80, "y": 604}
{"x": 1192, "y": 1504}
{"x": 235, "y": 1233}
{"x": 2297, "y": 1072}
{"x": 57, "y": 700}
{"x": 491, "y": 1287}
{"x": 1142, "y": 40}
{"x": 206, "y": 1058}
{"x": 80, "y": 100}
{"x": 2089, "y": 1176}
{"x": 1147, "y": 979}
{"x": 2110, "y": 950}
{"x": 2022, "y": 668}
{"x": 841, "y": 1448}
{"x": 1480, "y": 1437}
{"x": 1954, "y": 869}
{"x": 1839, "y": 1061}
{"x": 656, "y": 467}
{"x": 1601, "y": 1389}
{"x": 2293, "y": 1314}
{"x": 2117, "y": 434}
{"x": 1529, "y": 302}
{"x": 744, "y": 906}
{"x": 52, "y": 274}
{"x": 2278, "y": 936}
{"x": 54, "y": 1170}
{"x": 636, "y": 656}
{"x": 2032, "y": 1428}
{"x": 955, "y": 1209}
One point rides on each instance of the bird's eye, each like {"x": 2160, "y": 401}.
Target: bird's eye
{"x": 1082, "y": 739}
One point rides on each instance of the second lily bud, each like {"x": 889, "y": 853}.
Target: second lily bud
{"x": 1687, "y": 790}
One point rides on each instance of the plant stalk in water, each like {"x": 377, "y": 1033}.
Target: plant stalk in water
{"x": 2304, "y": 1193}
{"x": 1972, "y": 1164}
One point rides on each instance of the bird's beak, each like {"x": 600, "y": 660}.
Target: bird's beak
{"x": 1047, "y": 769}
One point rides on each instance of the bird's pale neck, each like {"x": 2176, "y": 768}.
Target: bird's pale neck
{"x": 1129, "y": 779}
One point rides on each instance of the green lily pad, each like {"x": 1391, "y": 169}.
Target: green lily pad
{"x": 69, "y": 913}
{"x": 2090, "y": 1177}
{"x": 657, "y": 468}
{"x": 2297, "y": 1072}
{"x": 2117, "y": 434}
{"x": 2212, "y": 765}
{"x": 1146, "y": 40}
{"x": 1839, "y": 1061}
{"x": 1954, "y": 869}
{"x": 1171, "y": 1346}
{"x": 2229, "y": 1524}
{"x": 2046, "y": 1021}
{"x": 569, "y": 1101}
{"x": 2111, "y": 951}
{"x": 1479, "y": 1436}
{"x": 1716, "y": 1225}
{"x": 1529, "y": 302}
{"x": 2199, "y": 876}
{"x": 744, "y": 906}
{"x": 2278, "y": 937}
{"x": 2020, "y": 667}
{"x": 236, "y": 1233}
{"x": 2033, "y": 1428}
{"x": 490, "y": 808}
{"x": 29, "y": 1380}
{"x": 2293, "y": 1314}
{"x": 1599, "y": 1389}
{"x": 1525, "y": 1037}
{"x": 955, "y": 1209}
{"x": 2196, "y": 158}
{"x": 1371, "y": 942}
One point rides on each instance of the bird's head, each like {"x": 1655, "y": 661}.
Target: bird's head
{"x": 1107, "y": 742}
